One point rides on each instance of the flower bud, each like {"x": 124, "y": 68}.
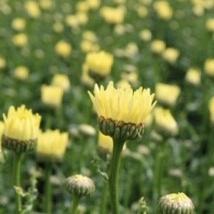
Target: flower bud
{"x": 80, "y": 185}
{"x": 176, "y": 203}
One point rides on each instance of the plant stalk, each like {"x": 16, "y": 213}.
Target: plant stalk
{"x": 113, "y": 175}
{"x": 75, "y": 203}
{"x": 48, "y": 190}
{"x": 17, "y": 182}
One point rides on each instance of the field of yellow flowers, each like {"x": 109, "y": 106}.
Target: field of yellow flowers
{"x": 107, "y": 106}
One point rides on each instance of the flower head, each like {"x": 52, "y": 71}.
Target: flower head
{"x": 193, "y": 76}
{"x": 3, "y": 63}
{"x": 113, "y": 15}
{"x": 163, "y": 9}
{"x": 52, "y": 145}
{"x": 20, "y": 40}
{"x": 158, "y": 46}
{"x": 21, "y": 128}
{"x": 210, "y": 24}
{"x": 21, "y": 72}
{"x": 122, "y": 106}
{"x": 18, "y": 24}
{"x": 63, "y": 49}
{"x": 211, "y": 109}
{"x": 51, "y": 95}
{"x": 99, "y": 63}
{"x": 209, "y": 67}
{"x": 62, "y": 81}
{"x": 167, "y": 93}
{"x": 176, "y": 203}
{"x": 32, "y": 8}
{"x": 165, "y": 121}
{"x": 146, "y": 35}
{"x": 80, "y": 185}
{"x": 170, "y": 55}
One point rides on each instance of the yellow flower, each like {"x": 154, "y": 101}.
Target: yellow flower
{"x": 58, "y": 27}
{"x": 89, "y": 46}
{"x": 62, "y": 81}
{"x": 89, "y": 42}
{"x": 1, "y": 133}
{"x": 82, "y": 6}
{"x": 123, "y": 84}
{"x": 85, "y": 77}
{"x": 20, "y": 40}
{"x": 166, "y": 93}
{"x": 122, "y": 104}
{"x": 163, "y": 9}
{"x": 198, "y": 10}
{"x": 46, "y": 4}
{"x": 105, "y": 143}
{"x": 82, "y": 18}
{"x": 211, "y": 109}
{"x": 90, "y": 36}
{"x": 99, "y": 63}
{"x": 193, "y": 76}
{"x": 21, "y": 72}
{"x": 93, "y": 4}
{"x": 165, "y": 121}
{"x": 51, "y": 95}
{"x": 32, "y": 8}
{"x": 158, "y": 46}
{"x": 72, "y": 21}
{"x": 146, "y": 35}
{"x": 142, "y": 11}
{"x": 171, "y": 55}
{"x": 113, "y": 15}
{"x": 18, "y": 24}
{"x": 52, "y": 144}
{"x": 76, "y": 20}
{"x": 209, "y": 66}
{"x": 63, "y": 49}
{"x": 2, "y": 63}
{"x": 131, "y": 50}
{"x": 21, "y": 129}
{"x": 120, "y": 29}
{"x": 210, "y": 24}
{"x": 131, "y": 76}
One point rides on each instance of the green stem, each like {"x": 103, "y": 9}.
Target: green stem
{"x": 104, "y": 200}
{"x": 75, "y": 203}
{"x": 113, "y": 175}
{"x": 159, "y": 171}
{"x": 17, "y": 182}
{"x": 48, "y": 190}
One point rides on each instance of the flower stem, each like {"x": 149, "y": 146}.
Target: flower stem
{"x": 48, "y": 190}
{"x": 160, "y": 166}
{"x": 113, "y": 175}
{"x": 17, "y": 182}
{"x": 104, "y": 199}
{"x": 75, "y": 203}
